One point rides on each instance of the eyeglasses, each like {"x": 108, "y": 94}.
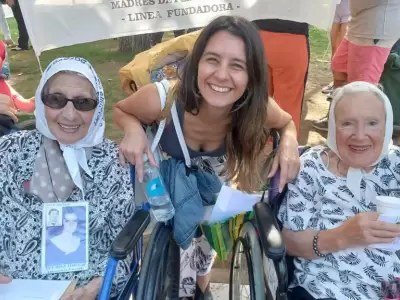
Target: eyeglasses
{"x": 59, "y": 101}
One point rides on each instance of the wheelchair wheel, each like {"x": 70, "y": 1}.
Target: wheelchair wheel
{"x": 159, "y": 275}
{"x": 246, "y": 276}
{"x": 271, "y": 279}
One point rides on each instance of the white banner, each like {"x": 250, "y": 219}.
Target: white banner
{"x": 57, "y": 23}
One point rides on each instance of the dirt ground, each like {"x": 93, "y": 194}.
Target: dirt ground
{"x": 315, "y": 105}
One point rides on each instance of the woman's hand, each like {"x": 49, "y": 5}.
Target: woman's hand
{"x": 364, "y": 229}
{"x": 88, "y": 292}
{"x": 287, "y": 159}
{"x": 4, "y": 279}
{"x": 133, "y": 146}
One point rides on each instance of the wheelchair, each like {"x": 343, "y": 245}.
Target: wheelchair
{"x": 155, "y": 273}
{"x": 260, "y": 251}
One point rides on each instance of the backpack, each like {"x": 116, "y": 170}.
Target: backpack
{"x": 159, "y": 62}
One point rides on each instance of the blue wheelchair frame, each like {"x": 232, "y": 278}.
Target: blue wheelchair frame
{"x": 162, "y": 254}
{"x": 129, "y": 240}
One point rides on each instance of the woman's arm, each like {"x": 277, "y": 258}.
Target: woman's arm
{"x": 287, "y": 158}
{"x": 141, "y": 107}
{"x": 300, "y": 243}
{"x": 7, "y": 107}
{"x": 279, "y": 119}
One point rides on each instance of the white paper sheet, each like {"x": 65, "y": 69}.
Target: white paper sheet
{"x": 20, "y": 289}
{"x": 230, "y": 202}
{"x": 395, "y": 245}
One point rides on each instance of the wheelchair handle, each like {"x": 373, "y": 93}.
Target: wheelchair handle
{"x": 275, "y": 139}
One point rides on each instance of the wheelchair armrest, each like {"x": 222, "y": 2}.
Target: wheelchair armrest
{"x": 270, "y": 236}
{"x": 130, "y": 234}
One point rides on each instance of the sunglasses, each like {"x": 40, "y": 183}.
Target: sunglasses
{"x": 59, "y": 101}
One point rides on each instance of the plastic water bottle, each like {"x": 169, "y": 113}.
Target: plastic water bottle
{"x": 156, "y": 194}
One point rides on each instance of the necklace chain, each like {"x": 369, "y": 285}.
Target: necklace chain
{"x": 48, "y": 171}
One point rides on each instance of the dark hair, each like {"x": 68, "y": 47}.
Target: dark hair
{"x": 69, "y": 211}
{"x": 53, "y": 209}
{"x": 248, "y": 134}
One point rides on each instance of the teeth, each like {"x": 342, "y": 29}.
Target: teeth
{"x": 359, "y": 148}
{"x": 219, "y": 89}
{"x": 68, "y": 126}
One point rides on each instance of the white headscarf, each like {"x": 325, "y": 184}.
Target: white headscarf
{"x": 354, "y": 176}
{"x": 74, "y": 154}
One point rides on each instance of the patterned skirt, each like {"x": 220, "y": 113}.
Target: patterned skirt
{"x": 197, "y": 260}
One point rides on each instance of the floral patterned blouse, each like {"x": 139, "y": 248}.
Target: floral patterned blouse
{"x": 319, "y": 200}
{"x": 111, "y": 204}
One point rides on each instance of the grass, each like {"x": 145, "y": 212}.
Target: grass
{"x": 319, "y": 43}
{"x": 104, "y": 56}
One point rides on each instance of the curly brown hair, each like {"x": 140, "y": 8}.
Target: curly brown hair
{"x": 248, "y": 132}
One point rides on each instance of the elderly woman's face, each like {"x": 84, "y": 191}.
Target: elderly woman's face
{"x": 360, "y": 128}
{"x": 68, "y": 124}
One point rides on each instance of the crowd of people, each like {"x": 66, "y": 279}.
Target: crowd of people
{"x": 241, "y": 80}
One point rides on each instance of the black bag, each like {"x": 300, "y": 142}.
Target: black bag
{"x": 6, "y": 124}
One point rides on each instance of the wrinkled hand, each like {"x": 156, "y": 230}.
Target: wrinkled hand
{"x": 88, "y": 292}
{"x": 287, "y": 160}
{"x": 4, "y": 279}
{"x": 364, "y": 229}
{"x": 133, "y": 146}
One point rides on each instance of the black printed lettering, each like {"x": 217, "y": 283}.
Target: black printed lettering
{"x": 181, "y": 12}
{"x": 140, "y": 16}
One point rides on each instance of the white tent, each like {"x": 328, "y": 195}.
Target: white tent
{"x": 57, "y": 23}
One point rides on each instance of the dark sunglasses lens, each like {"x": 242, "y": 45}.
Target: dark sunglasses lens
{"x": 84, "y": 104}
{"x": 54, "y": 101}
{"x": 58, "y": 101}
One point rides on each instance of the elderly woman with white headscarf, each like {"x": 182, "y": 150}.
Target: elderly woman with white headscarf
{"x": 329, "y": 214}
{"x": 67, "y": 159}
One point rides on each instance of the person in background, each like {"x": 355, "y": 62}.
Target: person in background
{"x": 23, "y": 39}
{"x": 396, "y": 47}
{"x": 338, "y": 32}
{"x": 10, "y": 100}
{"x": 287, "y": 52}
{"x": 372, "y": 31}
{"x": 4, "y": 28}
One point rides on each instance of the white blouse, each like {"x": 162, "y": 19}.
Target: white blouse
{"x": 319, "y": 200}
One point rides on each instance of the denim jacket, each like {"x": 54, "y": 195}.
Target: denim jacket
{"x": 189, "y": 192}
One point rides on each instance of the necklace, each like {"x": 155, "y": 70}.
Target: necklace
{"x": 48, "y": 171}
{"x": 337, "y": 164}
{"x": 338, "y": 168}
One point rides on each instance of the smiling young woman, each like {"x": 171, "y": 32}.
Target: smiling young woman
{"x": 224, "y": 112}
